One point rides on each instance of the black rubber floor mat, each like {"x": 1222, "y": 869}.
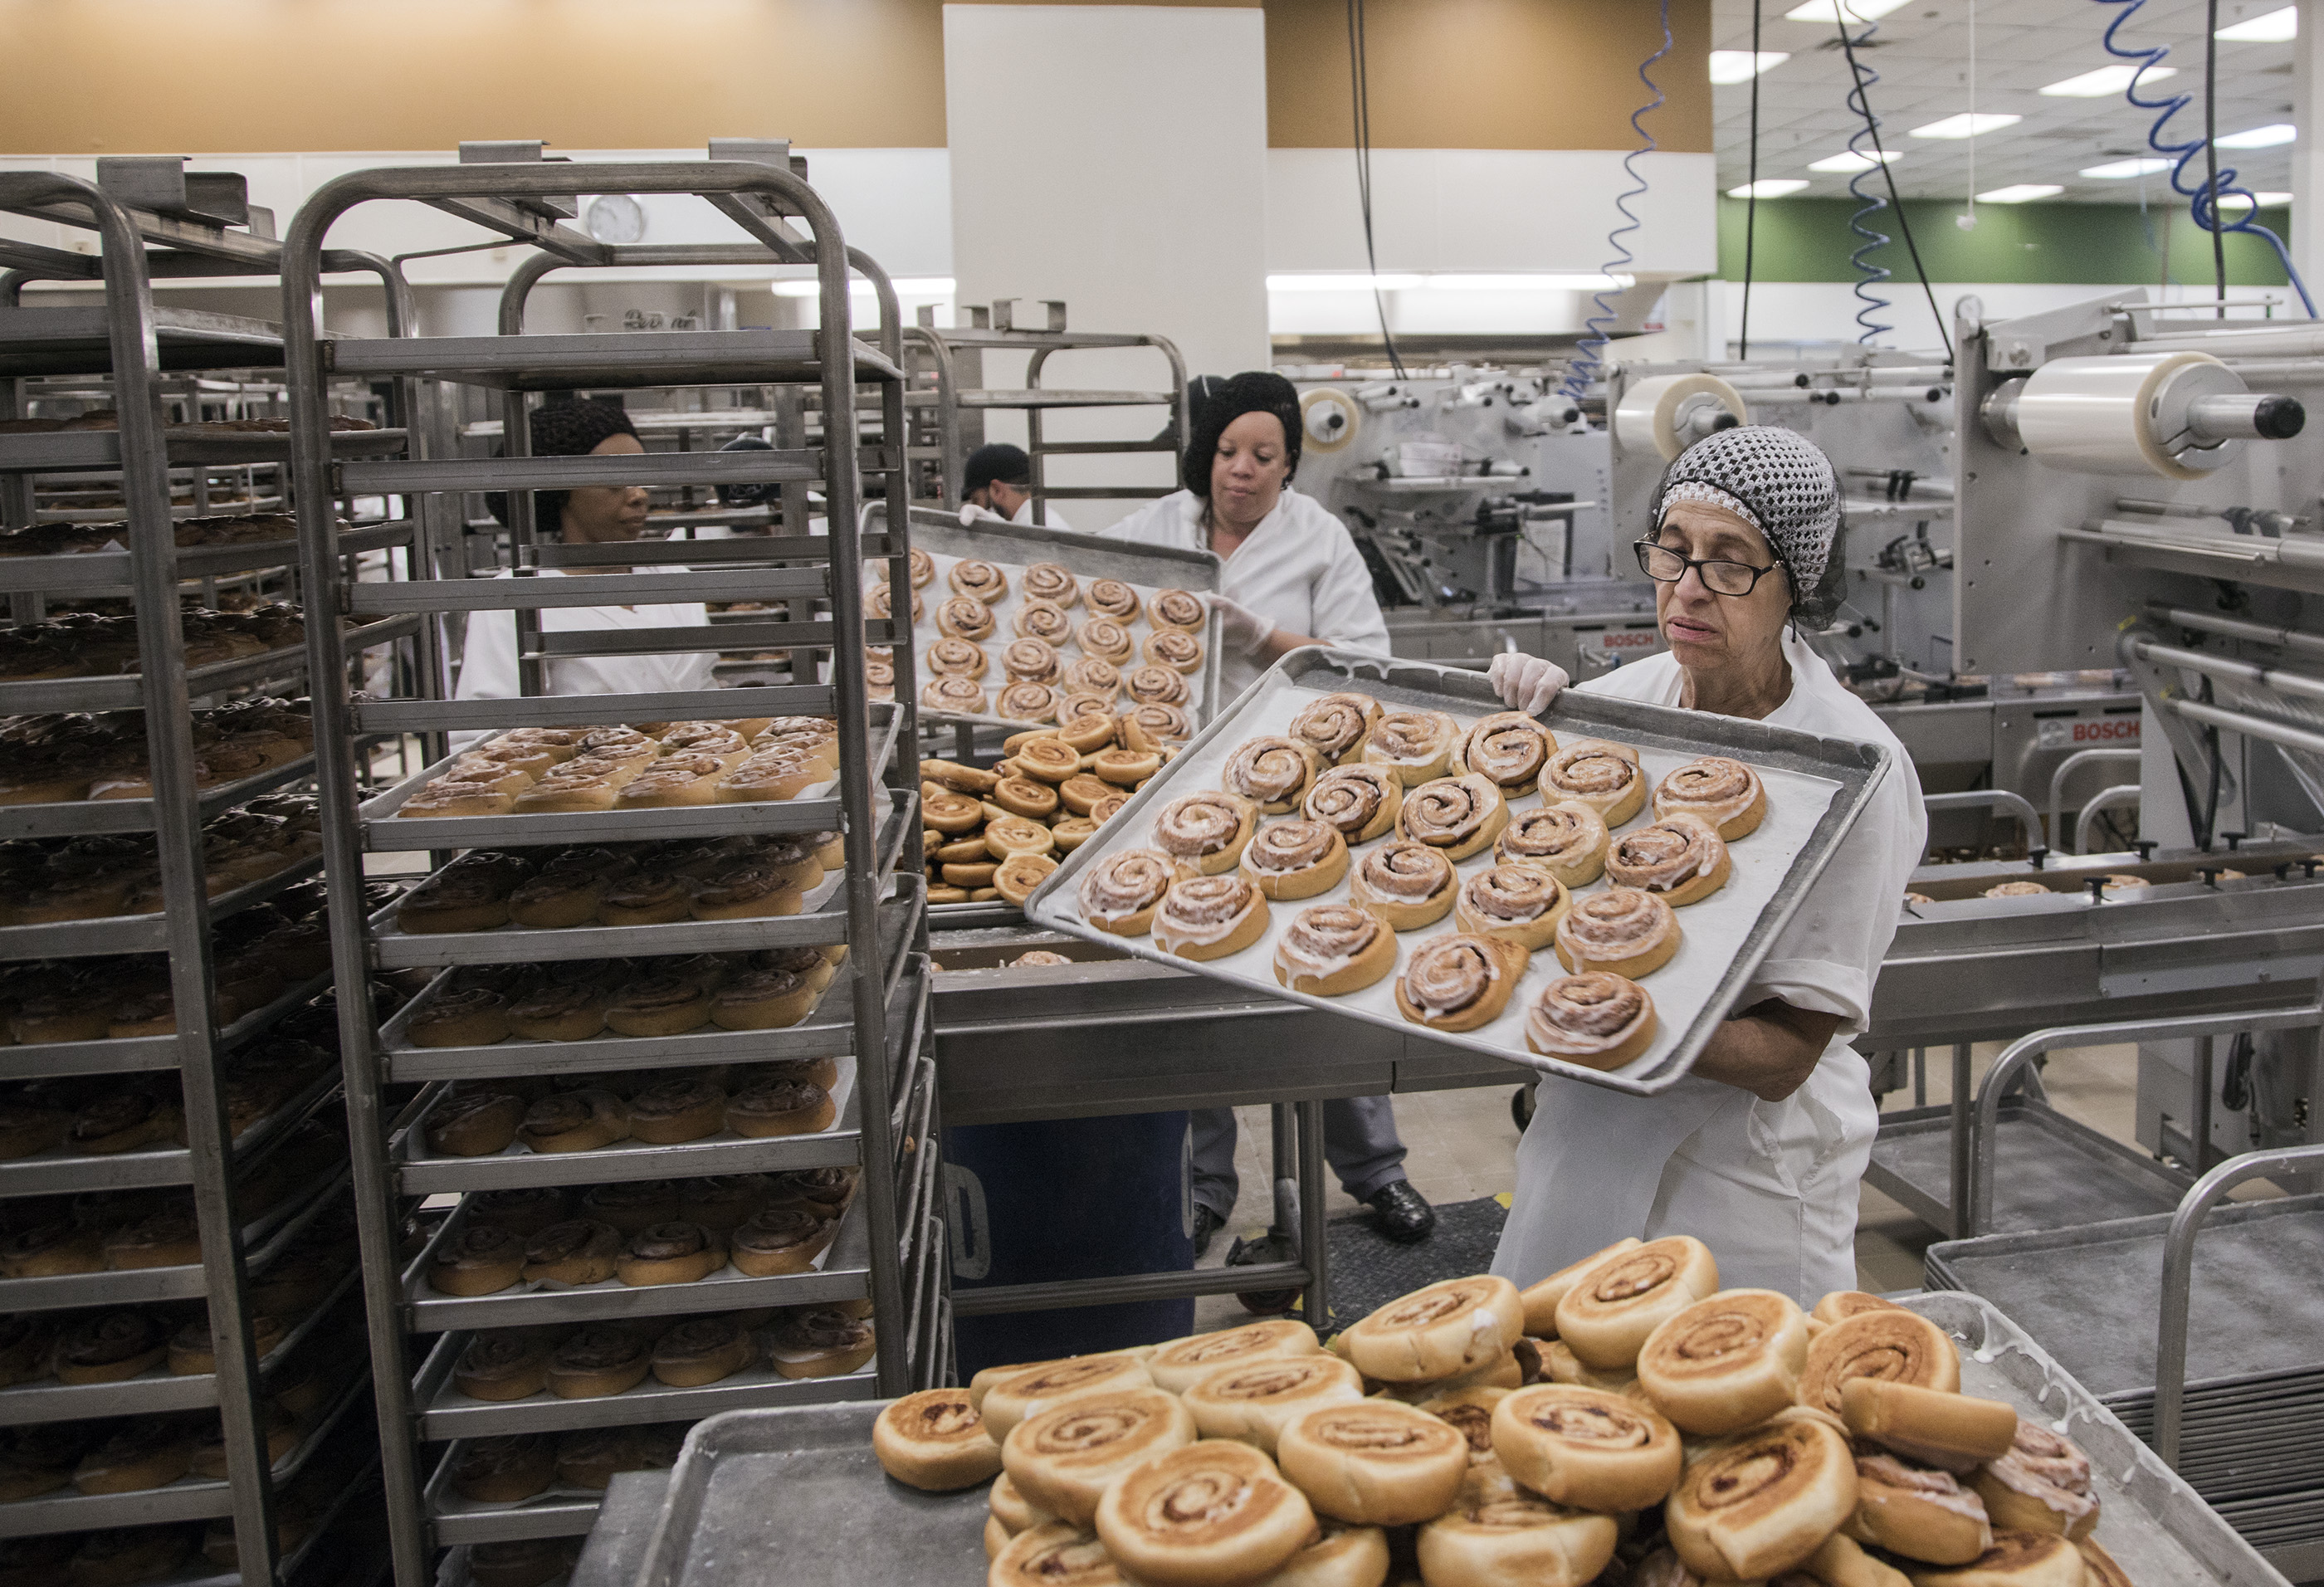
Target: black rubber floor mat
{"x": 1369, "y": 1270}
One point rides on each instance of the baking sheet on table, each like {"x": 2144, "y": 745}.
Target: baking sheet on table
{"x": 1011, "y": 547}
{"x": 1815, "y": 788}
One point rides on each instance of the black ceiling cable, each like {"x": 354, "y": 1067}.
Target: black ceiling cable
{"x": 2211, "y": 147}
{"x": 1904, "y": 223}
{"x": 1751, "y": 190}
{"x": 1359, "y": 91}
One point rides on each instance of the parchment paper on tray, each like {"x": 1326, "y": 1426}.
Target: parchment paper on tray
{"x": 1816, "y": 788}
{"x": 1011, "y": 548}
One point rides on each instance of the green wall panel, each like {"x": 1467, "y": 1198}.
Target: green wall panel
{"x": 1808, "y": 240}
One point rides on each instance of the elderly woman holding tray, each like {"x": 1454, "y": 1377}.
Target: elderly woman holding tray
{"x": 1760, "y": 1151}
{"x": 1291, "y": 577}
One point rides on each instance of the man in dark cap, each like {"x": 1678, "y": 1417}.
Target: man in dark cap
{"x": 997, "y": 483}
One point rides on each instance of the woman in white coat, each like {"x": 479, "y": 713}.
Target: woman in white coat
{"x": 1760, "y": 1151}
{"x": 587, "y": 515}
{"x": 1291, "y": 577}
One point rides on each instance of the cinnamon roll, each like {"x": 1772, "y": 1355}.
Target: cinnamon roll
{"x": 576, "y": 1121}
{"x": 1051, "y": 760}
{"x": 702, "y": 1350}
{"x": 671, "y": 1253}
{"x": 1081, "y": 792}
{"x": 1406, "y": 884}
{"x": 1176, "y": 649}
{"x": 1217, "y": 1510}
{"x": 1337, "y": 726}
{"x": 1375, "y": 1462}
{"x": 1898, "y": 1346}
{"x": 1030, "y": 661}
{"x": 1105, "y": 639}
{"x": 1523, "y": 903}
{"x": 1049, "y": 1553}
{"x": 979, "y": 581}
{"x": 1758, "y": 1505}
{"x": 1085, "y": 720}
{"x": 1923, "y": 1515}
{"x": 1603, "y": 776}
{"x": 1156, "y": 686}
{"x": 956, "y": 658}
{"x": 476, "y": 1260}
{"x": 1596, "y": 1019}
{"x": 962, "y": 696}
{"x": 1180, "y": 1364}
{"x": 1062, "y": 1459}
{"x": 504, "y": 1364}
{"x": 671, "y": 1112}
{"x": 603, "y": 1357}
{"x": 580, "y": 1250}
{"x": 2041, "y": 1485}
{"x": 114, "y": 1347}
{"x": 1179, "y": 609}
{"x": 1681, "y": 858}
{"x": 922, "y": 567}
{"x": 1121, "y": 892}
{"x": 1161, "y": 723}
{"x": 1726, "y": 793}
{"x": 1606, "y": 1317}
{"x": 777, "y": 1241}
{"x": 1273, "y": 773}
{"x": 1017, "y": 834}
{"x": 1586, "y": 1447}
{"x": 1630, "y": 933}
{"x": 1417, "y": 745}
{"x": 934, "y": 1440}
{"x": 1092, "y": 675}
{"x": 1459, "y": 982}
{"x": 1025, "y": 701}
{"x": 1507, "y": 746}
{"x": 964, "y": 617}
{"x": 1048, "y": 581}
{"x": 1361, "y": 801}
{"x": 1019, "y": 875}
{"x": 825, "y": 1343}
{"x": 1954, "y": 1431}
{"x": 771, "y": 1107}
{"x": 1026, "y": 797}
{"x": 877, "y": 602}
{"x": 1500, "y": 1532}
{"x": 1206, "y": 830}
{"x": 1727, "y": 1362}
{"x": 1460, "y": 815}
{"x": 1254, "y": 1402}
{"x": 1329, "y": 949}
{"x": 1110, "y": 597}
{"x": 1567, "y": 839}
{"x": 1045, "y": 621}
{"x": 1210, "y": 917}
{"x": 1296, "y": 859}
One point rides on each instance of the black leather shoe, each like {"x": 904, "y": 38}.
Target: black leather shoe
{"x": 1207, "y": 1224}
{"x": 1401, "y": 1212}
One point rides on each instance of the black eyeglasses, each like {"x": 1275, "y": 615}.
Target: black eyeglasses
{"x": 1719, "y": 577}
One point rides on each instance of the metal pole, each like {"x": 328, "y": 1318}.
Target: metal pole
{"x": 1961, "y": 1143}
{"x": 2204, "y": 1052}
{"x": 1313, "y": 1252}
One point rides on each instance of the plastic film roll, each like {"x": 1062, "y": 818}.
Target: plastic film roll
{"x": 2124, "y": 414}
{"x": 1330, "y": 417}
{"x": 1671, "y": 412}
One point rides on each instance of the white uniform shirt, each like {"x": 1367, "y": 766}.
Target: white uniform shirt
{"x": 1050, "y": 517}
{"x": 488, "y": 670}
{"x": 1771, "y": 1187}
{"x": 1299, "y": 568}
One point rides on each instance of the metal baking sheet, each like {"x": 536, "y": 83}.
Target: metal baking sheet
{"x": 79, "y": 818}
{"x": 106, "y": 572}
{"x": 126, "y": 692}
{"x": 1011, "y": 547}
{"x": 805, "y": 1483}
{"x": 57, "y": 1172}
{"x": 843, "y": 1272}
{"x": 1816, "y": 788}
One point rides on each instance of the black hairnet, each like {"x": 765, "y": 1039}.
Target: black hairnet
{"x": 564, "y": 429}
{"x": 1255, "y": 391}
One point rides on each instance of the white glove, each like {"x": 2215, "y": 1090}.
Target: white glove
{"x": 970, "y": 513}
{"x": 1240, "y": 628}
{"x": 1525, "y": 683}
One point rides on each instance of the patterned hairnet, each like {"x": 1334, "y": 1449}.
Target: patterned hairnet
{"x": 1778, "y": 483}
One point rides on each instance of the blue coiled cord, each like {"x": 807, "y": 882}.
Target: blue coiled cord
{"x": 1585, "y": 367}
{"x": 2202, "y": 200}
{"x": 1869, "y": 274}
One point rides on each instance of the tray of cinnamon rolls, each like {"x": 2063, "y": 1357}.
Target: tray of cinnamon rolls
{"x": 1020, "y": 626}
{"x": 1586, "y": 893}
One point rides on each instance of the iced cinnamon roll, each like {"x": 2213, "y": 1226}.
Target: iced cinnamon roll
{"x": 1210, "y": 917}
{"x": 1622, "y": 930}
{"x": 1605, "y": 777}
{"x": 1025, "y": 701}
{"x": 1726, "y": 793}
{"x": 1521, "y": 902}
{"x": 964, "y": 617}
{"x": 1362, "y": 802}
{"x": 1106, "y": 638}
{"x": 1507, "y": 746}
{"x": 2041, "y": 1485}
{"x": 1047, "y": 581}
{"x": 1459, "y": 815}
{"x": 1681, "y": 857}
{"x": 1406, "y": 884}
{"x": 1156, "y": 686}
{"x": 924, "y": 569}
{"x": 1163, "y": 723}
{"x": 878, "y": 673}
{"x": 1337, "y": 726}
{"x": 956, "y": 658}
{"x": 1181, "y": 609}
{"x": 1119, "y": 892}
{"x": 1092, "y": 675}
{"x": 1206, "y": 831}
{"x": 1176, "y": 649}
{"x": 1329, "y": 949}
{"x": 981, "y": 580}
{"x": 1459, "y": 982}
{"x": 877, "y": 604}
{"x": 1417, "y": 745}
{"x": 1567, "y": 840}
{"x": 1110, "y": 597}
{"x": 1273, "y": 773}
{"x": 964, "y": 695}
{"x": 1296, "y": 859}
{"x": 1045, "y": 621}
{"x": 1030, "y": 661}
{"x": 1596, "y": 1019}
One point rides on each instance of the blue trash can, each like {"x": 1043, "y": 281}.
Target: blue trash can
{"x": 1068, "y": 1198}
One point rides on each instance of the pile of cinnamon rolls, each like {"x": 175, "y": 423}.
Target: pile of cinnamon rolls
{"x": 1392, "y": 802}
{"x": 1623, "y": 1420}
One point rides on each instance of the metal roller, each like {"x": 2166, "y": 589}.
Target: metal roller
{"x": 1671, "y": 412}
{"x": 2179, "y": 415}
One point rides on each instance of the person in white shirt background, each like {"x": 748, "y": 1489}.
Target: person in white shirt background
{"x": 997, "y": 481}
{"x": 588, "y": 515}
{"x": 1291, "y": 577}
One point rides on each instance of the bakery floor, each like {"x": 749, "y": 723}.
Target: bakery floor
{"x": 1462, "y": 1145}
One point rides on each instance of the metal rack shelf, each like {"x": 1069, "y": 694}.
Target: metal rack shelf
{"x": 539, "y": 363}
{"x": 56, "y": 1172}
{"x": 446, "y": 1413}
{"x": 137, "y": 934}
{"x": 96, "y": 573}
{"x": 82, "y": 817}
{"x": 129, "y": 1054}
{"x": 561, "y": 1513}
{"x": 76, "y": 450}
{"x": 126, "y": 692}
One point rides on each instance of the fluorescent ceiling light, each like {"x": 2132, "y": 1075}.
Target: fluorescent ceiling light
{"x": 2022, "y": 193}
{"x": 2274, "y": 28}
{"x": 2123, "y": 170}
{"x": 1769, "y": 187}
{"x": 1827, "y": 12}
{"x": 1354, "y": 282}
{"x": 1966, "y": 126}
{"x": 1740, "y": 66}
{"x": 2266, "y": 200}
{"x": 2260, "y": 137}
{"x": 1847, "y": 162}
{"x": 1537, "y": 282}
{"x": 2105, "y": 82}
{"x": 928, "y": 286}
